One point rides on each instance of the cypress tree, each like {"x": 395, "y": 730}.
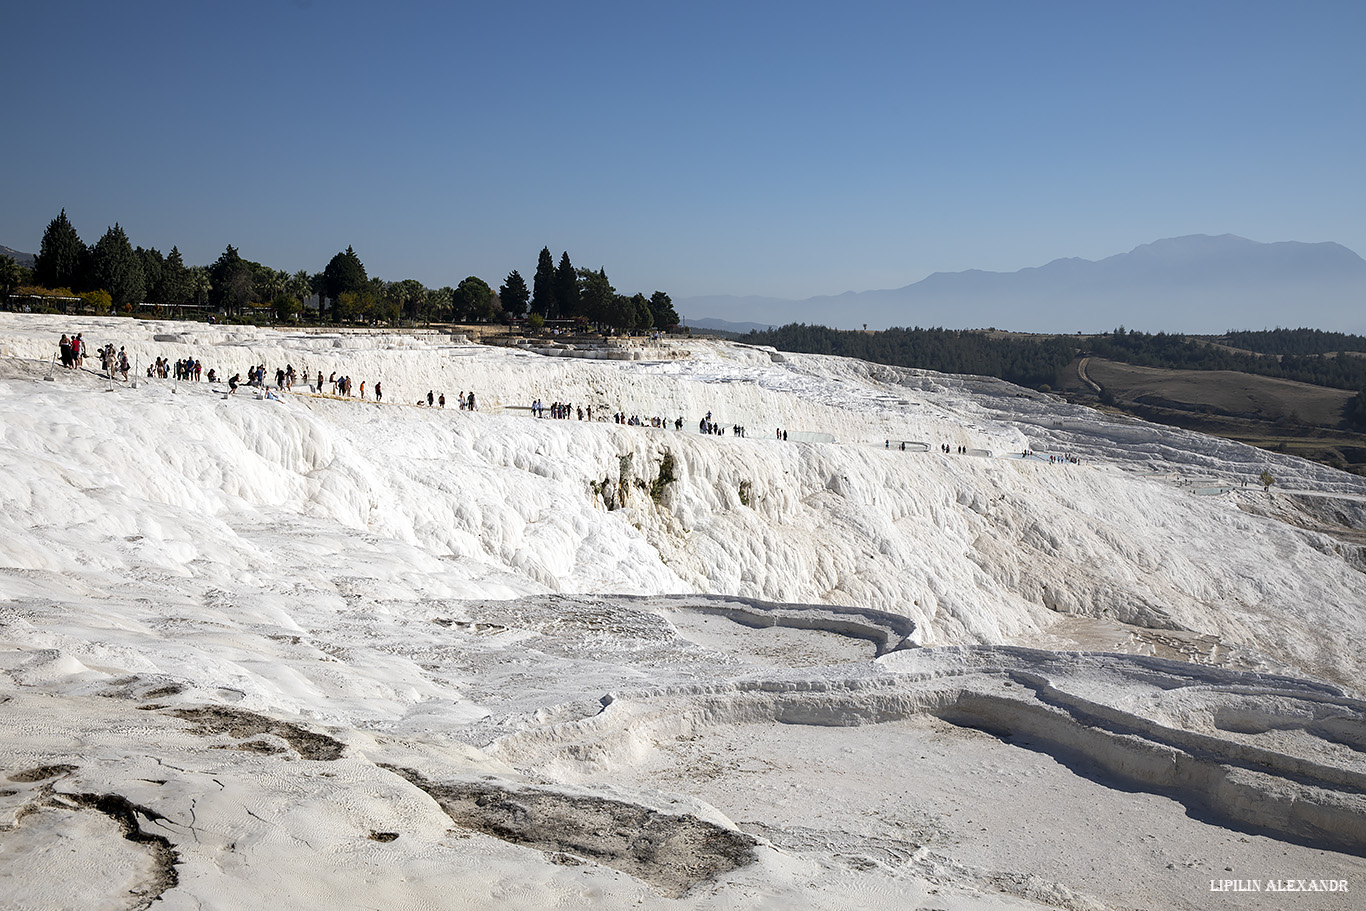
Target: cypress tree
{"x": 662, "y": 306}
{"x": 641, "y": 315}
{"x": 598, "y": 300}
{"x": 173, "y": 288}
{"x": 566, "y": 287}
{"x": 153, "y": 271}
{"x": 543, "y": 297}
{"x": 116, "y": 268}
{"x": 513, "y": 294}
{"x": 61, "y": 256}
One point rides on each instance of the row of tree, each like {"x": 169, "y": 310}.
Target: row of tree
{"x": 112, "y": 264}
{"x": 563, "y": 292}
{"x": 115, "y": 272}
{"x": 1033, "y": 361}
{"x": 1294, "y": 341}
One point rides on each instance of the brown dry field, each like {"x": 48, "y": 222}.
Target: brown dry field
{"x": 1283, "y": 415}
{"x": 1225, "y": 392}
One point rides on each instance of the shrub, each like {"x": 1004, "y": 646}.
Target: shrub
{"x": 664, "y": 478}
{"x": 100, "y": 300}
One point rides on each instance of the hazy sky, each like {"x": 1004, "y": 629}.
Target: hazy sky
{"x": 786, "y": 149}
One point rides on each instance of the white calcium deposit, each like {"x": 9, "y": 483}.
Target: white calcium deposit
{"x": 319, "y": 652}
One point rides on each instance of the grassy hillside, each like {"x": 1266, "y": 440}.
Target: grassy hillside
{"x": 1284, "y": 415}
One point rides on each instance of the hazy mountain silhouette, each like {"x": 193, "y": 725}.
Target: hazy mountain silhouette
{"x": 1197, "y": 284}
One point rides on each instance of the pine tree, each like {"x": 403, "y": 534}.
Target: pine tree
{"x": 61, "y": 256}
{"x": 116, "y": 268}
{"x": 620, "y": 313}
{"x": 153, "y": 269}
{"x": 543, "y": 297}
{"x": 173, "y": 288}
{"x": 513, "y": 294}
{"x": 597, "y": 297}
{"x": 641, "y": 316}
{"x": 662, "y": 306}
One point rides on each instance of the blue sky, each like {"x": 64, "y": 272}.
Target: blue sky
{"x": 784, "y": 149}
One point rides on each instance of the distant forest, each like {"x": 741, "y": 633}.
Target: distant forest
{"x": 1294, "y": 341}
{"x": 1026, "y": 361}
{"x": 1306, "y": 355}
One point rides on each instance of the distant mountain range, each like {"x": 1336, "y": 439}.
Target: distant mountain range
{"x": 1194, "y": 284}
{"x": 23, "y": 259}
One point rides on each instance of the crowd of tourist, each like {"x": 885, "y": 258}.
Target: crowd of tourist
{"x": 115, "y": 365}
{"x": 186, "y": 369}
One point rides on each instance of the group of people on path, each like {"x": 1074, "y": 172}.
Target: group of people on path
{"x": 714, "y": 428}
{"x": 346, "y": 386}
{"x": 635, "y": 420}
{"x": 562, "y": 411}
{"x": 435, "y": 400}
{"x": 187, "y": 369}
{"x": 73, "y": 353}
{"x": 72, "y": 350}
{"x": 341, "y": 385}
{"x": 112, "y": 363}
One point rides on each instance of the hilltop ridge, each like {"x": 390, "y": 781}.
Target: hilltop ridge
{"x": 23, "y": 259}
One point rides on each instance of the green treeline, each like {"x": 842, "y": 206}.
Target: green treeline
{"x": 1024, "y": 361}
{"x": 1294, "y": 341}
{"x": 114, "y": 276}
